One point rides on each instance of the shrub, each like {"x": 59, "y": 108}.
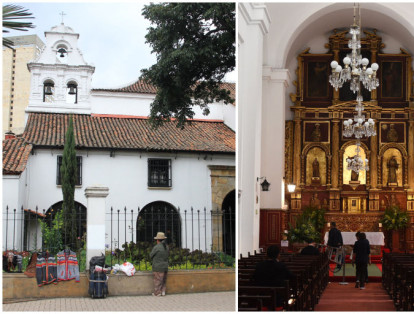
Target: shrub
{"x": 394, "y": 218}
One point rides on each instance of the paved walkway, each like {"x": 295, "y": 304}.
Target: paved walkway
{"x": 194, "y": 302}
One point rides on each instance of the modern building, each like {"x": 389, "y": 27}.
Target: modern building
{"x": 16, "y": 80}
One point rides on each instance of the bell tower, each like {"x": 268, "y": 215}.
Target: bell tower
{"x": 60, "y": 77}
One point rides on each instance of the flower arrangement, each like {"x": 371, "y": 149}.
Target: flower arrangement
{"x": 308, "y": 226}
{"x": 394, "y": 218}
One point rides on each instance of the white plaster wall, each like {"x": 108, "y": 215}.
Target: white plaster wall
{"x": 253, "y": 22}
{"x": 14, "y": 190}
{"x": 126, "y": 177}
{"x": 121, "y": 103}
{"x": 139, "y": 105}
{"x": 273, "y": 132}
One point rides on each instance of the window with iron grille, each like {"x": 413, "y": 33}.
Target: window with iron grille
{"x": 79, "y": 174}
{"x": 159, "y": 172}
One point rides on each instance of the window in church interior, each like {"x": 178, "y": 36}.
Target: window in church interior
{"x": 159, "y": 172}
{"x": 79, "y": 170}
{"x": 72, "y": 93}
{"x": 48, "y": 91}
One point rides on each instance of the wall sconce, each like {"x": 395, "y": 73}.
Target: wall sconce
{"x": 265, "y": 185}
{"x": 291, "y": 188}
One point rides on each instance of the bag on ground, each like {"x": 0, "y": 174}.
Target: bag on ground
{"x": 96, "y": 261}
{"x": 98, "y": 284}
{"x": 128, "y": 268}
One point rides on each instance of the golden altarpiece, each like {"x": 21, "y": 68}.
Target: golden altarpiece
{"x": 316, "y": 151}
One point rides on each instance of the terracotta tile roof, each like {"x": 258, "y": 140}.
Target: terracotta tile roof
{"x": 137, "y": 87}
{"x": 15, "y": 155}
{"x": 143, "y": 88}
{"x": 131, "y": 133}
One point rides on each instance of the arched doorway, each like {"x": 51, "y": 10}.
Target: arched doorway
{"x": 228, "y": 223}
{"x": 159, "y": 217}
{"x": 80, "y": 221}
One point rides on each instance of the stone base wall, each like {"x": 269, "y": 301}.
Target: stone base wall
{"x": 21, "y": 287}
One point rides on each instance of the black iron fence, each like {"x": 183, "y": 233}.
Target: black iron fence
{"x": 37, "y": 230}
{"x": 197, "y": 238}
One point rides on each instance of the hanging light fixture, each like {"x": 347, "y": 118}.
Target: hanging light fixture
{"x": 356, "y": 71}
{"x": 356, "y": 163}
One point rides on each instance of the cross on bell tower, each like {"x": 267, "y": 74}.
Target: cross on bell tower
{"x": 62, "y": 14}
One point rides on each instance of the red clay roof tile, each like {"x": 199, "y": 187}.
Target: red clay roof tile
{"x": 15, "y": 155}
{"x": 135, "y": 133}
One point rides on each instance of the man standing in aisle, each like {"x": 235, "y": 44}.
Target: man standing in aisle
{"x": 335, "y": 241}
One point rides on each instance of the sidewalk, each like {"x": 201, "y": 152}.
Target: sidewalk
{"x": 194, "y": 302}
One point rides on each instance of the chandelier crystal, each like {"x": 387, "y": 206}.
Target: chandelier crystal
{"x": 356, "y": 163}
{"x": 356, "y": 71}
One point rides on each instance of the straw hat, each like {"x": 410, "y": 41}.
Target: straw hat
{"x": 160, "y": 236}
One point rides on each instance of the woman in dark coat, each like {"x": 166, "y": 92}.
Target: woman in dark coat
{"x": 159, "y": 257}
{"x": 361, "y": 257}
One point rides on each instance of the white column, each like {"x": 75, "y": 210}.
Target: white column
{"x": 275, "y": 82}
{"x": 95, "y": 231}
{"x": 253, "y": 24}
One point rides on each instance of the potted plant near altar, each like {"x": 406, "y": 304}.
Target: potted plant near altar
{"x": 394, "y": 220}
{"x": 308, "y": 226}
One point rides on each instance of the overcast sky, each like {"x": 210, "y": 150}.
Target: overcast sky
{"x": 111, "y": 37}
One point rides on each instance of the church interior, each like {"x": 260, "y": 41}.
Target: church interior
{"x": 331, "y": 132}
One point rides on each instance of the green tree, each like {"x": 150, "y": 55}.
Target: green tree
{"x": 195, "y": 48}
{"x": 68, "y": 172}
{"x": 52, "y": 236}
{"x": 11, "y": 13}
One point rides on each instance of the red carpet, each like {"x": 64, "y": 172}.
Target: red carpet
{"x": 347, "y": 298}
{"x": 374, "y": 273}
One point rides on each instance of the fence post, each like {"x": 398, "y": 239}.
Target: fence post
{"x": 7, "y": 223}
{"x": 95, "y": 228}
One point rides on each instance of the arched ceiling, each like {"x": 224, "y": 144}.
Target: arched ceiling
{"x": 290, "y": 34}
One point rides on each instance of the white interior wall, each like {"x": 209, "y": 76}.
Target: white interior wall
{"x": 253, "y": 23}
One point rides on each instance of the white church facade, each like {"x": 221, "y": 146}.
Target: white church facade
{"x": 179, "y": 173}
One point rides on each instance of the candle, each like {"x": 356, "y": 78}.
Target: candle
{"x": 380, "y": 225}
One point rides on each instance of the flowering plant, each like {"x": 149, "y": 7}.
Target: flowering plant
{"x": 394, "y": 218}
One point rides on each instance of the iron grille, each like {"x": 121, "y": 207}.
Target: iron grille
{"x": 79, "y": 170}
{"x": 159, "y": 172}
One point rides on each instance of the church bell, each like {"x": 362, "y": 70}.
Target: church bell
{"x": 72, "y": 90}
{"x": 48, "y": 90}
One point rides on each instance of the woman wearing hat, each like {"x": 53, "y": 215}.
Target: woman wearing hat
{"x": 159, "y": 257}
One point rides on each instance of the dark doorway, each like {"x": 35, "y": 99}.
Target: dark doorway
{"x": 159, "y": 217}
{"x": 229, "y": 223}
{"x": 79, "y": 223}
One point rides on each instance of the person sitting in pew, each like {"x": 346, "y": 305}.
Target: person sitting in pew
{"x": 271, "y": 272}
{"x": 310, "y": 249}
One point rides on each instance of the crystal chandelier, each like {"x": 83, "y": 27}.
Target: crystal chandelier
{"x": 356, "y": 163}
{"x": 356, "y": 71}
